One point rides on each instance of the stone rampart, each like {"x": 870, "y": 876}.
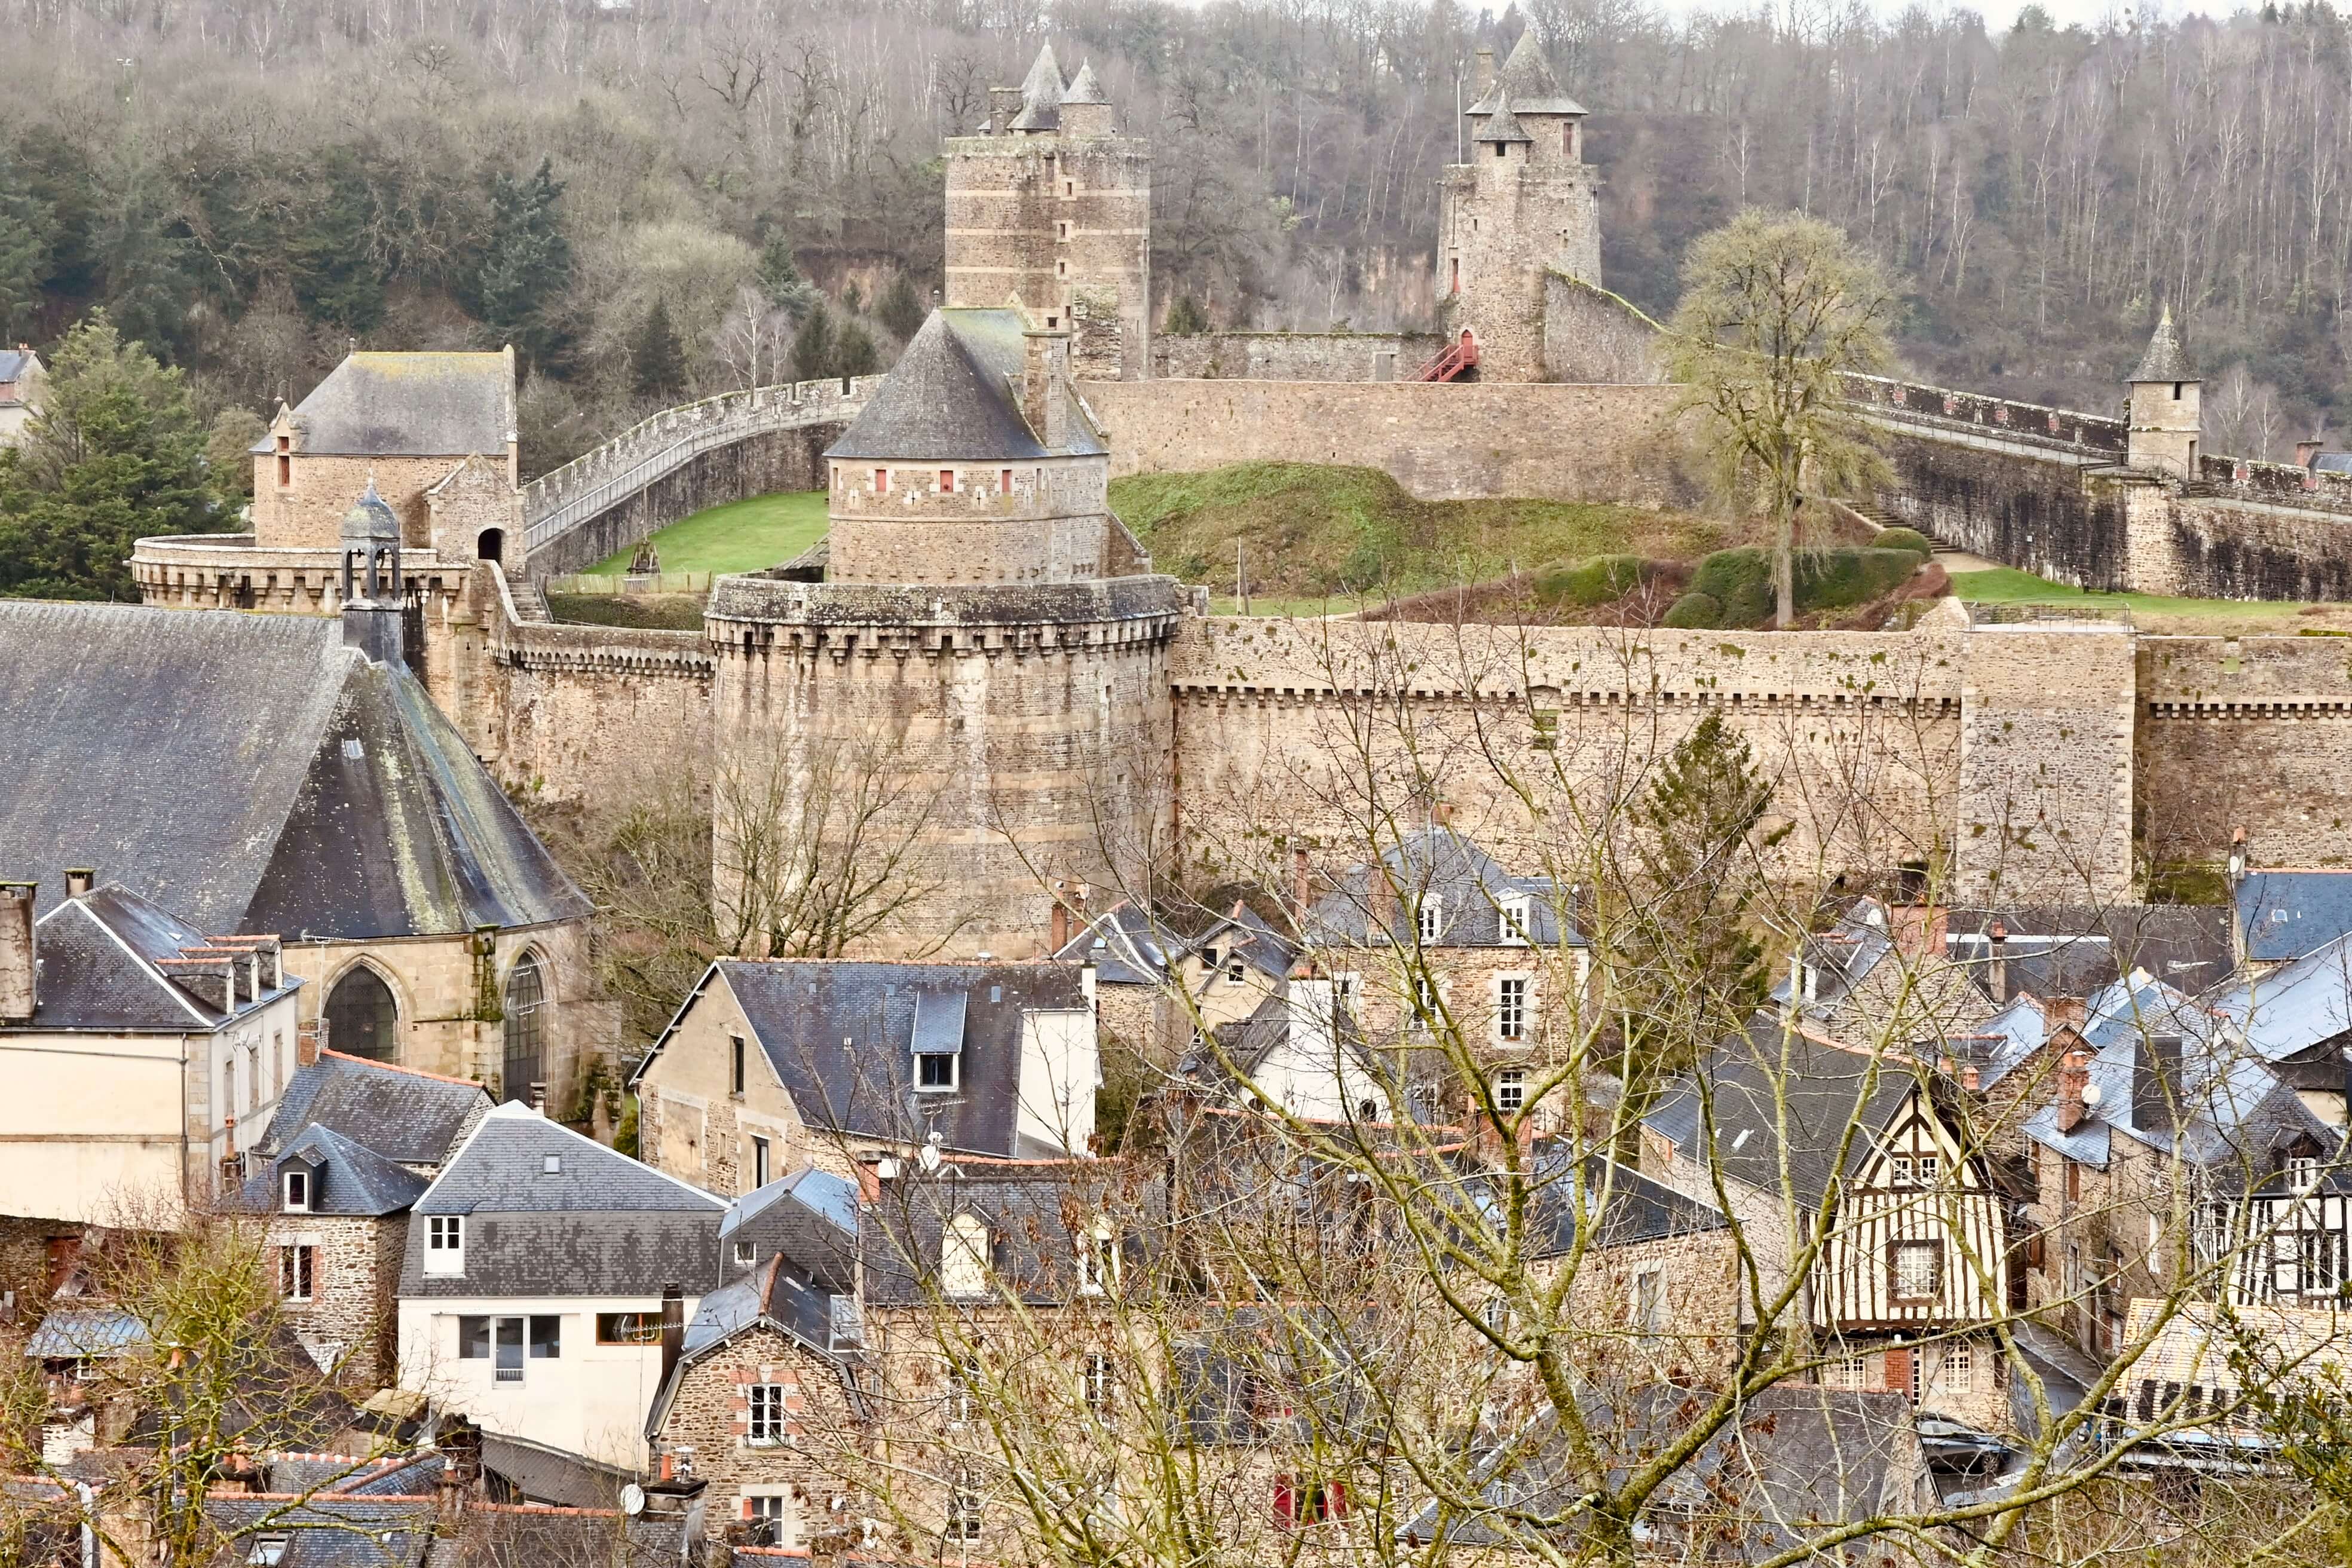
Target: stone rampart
{"x": 1450, "y": 441}
{"x": 1591, "y": 334}
{"x": 1293, "y": 356}
{"x": 2024, "y": 505}
{"x": 2252, "y": 733}
{"x": 2088, "y": 434}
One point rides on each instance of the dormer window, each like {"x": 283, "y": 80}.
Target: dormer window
{"x": 445, "y": 1244}
{"x": 934, "y": 1073}
{"x": 298, "y": 1191}
{"x": 1513, "y": 910}
{"x": 1432, "y": 916}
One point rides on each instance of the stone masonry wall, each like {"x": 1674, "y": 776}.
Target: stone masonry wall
{"x": 758, "y": 465}
{"x": 2252, "y": 733}
{"x": 1051, "y": 525}
{"x": 1591, "y": 334}
{"x": 309, "y": 514}
{"x": 348, "y": 1324}
{"x": 1294, "y": 356}
{"x": 1441, "y": 441}
{"x": 2024, "y": 507}
{"x": 710, "y": 1419}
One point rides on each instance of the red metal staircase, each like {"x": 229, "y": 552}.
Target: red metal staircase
{"x": 1457, "y": 359}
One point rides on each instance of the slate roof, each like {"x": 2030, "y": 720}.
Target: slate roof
{"x": 2056, "y": 951}
{"x": 955, "y": 397}
{"x": 331, "y": 1531}
{"x": 347, "y": 1179}
{"x": 1826, "y": 1090}
{"x": 1637, "y": 1209}
{"x": 1527, "y": 80}
{"x": 1085, "y": 87}
{"x": 1840, "y": 958}
{"x": 808, "y": 1218}
{"x": 1244, "y": 1046}
{"x": 533, "y": 1472}
{"x": 75, "y": 1333}
{"x": 1126, "y": 945}
{"x": 2166, "y": 359}
{"x": 839, "y": 1035}
{"x": 1499, "y": 124}
{"x": 98, "y": 956}
{"x": 2285, "y": 914}
{"x": 1037, "y": 1210}
{"x": 824, "y": 1322}
{"x": 12, "y": 363}
{"x": 1470, "y": 884}
{"x": 599, "y": 1225}
{"x": 378, "y": 405}
{"x": 252, "y": 775}
{"x": 1041, "y": 94}
{"x": 409, "y": 1117}
{"x": 2294, "y": 1007}
{"x": 1245, "y": 933}
{"x": 533, "y": 1537}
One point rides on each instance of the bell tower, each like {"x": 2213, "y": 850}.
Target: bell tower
{"x": 374, "y": 597}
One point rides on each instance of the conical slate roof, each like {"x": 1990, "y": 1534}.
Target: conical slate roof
{"x": 1501, "y": 124}
{"x": 953, "y": 397}
{"x": 1084, "y": 86}
{"x": 371, "y": 520}
{"x": 2166, "y": 359}
{"x": 1041, "y": 94}
{"x": 1527, "y": 80}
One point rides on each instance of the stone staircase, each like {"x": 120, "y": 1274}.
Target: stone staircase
{"x": 529, "y": 601}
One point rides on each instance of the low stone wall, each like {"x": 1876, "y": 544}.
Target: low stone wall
{"x": 1293, "y": 356}
{"x": 572, "y": 713}
{"x": 1452, "y": 441}
{"x": 2032, "y": 423}
{"x": 1591, "y": 334}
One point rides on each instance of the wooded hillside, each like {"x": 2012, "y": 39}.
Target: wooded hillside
{"x": 247, "y": 184}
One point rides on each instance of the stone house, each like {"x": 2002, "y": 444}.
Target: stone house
{"x": 1136, "y": 961}
{"x": 809, "y": 1217}
{"x": 21, "y": 379}
{"x": 1913, "y": 1261}
{"x": 1300, "y": 1051}
{"x": 769, "y": 1066}
{"x": 330, "y": 802}
{"x": 539, "y": 1268}
{"x": 764, "y": 1402}
{"x": 1231, "y": 970}
{"x": 415, "y": 1119}
{"x": 337, "y": 1221}
{"x": 140, "y": 1048}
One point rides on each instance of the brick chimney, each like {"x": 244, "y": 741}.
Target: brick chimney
{"x": 673, "y": 1334}
{"x": 1046, "y": 385}
{"x": 20, "y": 970}
{"x": 2074, "y": 1078}
{"x": 1003, "y": 109}
{"x": 78, "y": 880}
{"x": 306, "y": 1043}
{"x": 1485, "y": 77}
{"x": 2304, "y": 452}
{"x": 1061, "y": 935}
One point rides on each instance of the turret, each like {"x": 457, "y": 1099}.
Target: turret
{"x": 2166, "y": 415}
{"x": 373, "y": 595}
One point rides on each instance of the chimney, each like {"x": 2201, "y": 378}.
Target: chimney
{"x": 1003, "y": 109}
{"x": 2069, "y": 1012}
{"x": 1046, "y": 385}
{"x": 539, "y": 1098}
{"x": 1485, "y": 79}
{"x": 78, "y": 879}
{"x": 1998, "y": 974}
{"x": 2156, "y": 1081}
{"x": 2304, "y": 453}
{"x": 673, "y": 1331}
{"x": 2238, "y": 858}
{"x": 2074, "y": 1078}
{"x": 19, "y": 969}
{"x": 1060, "y": 937}
{"x": 306, "y": 1043}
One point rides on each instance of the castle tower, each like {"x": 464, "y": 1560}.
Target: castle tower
{"x": 1049, "y": 207}
{"x": 1526, "y": 204}
{"x": 2166, "y": 415}
{"x": 373, "y": 595}
{"x": 987, "y": 649}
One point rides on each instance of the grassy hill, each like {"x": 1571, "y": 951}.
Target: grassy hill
{"x": 1310, "y": 531}
{"x": 741, "y": 536}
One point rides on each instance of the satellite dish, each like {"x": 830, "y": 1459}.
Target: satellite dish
{"x": 633, "y": 1500}
{"x": 929, "y": 1158}
{"x": 2090, "y": 1094}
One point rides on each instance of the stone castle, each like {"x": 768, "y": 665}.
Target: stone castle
{"x": 980, "y": 627}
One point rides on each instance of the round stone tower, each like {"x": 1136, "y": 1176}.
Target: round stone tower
{"x": 1526, "y": 205}
{"x": 1049, "y": 207}
{"x": 2167, "y": 419}
{"x": 979, "y": 670}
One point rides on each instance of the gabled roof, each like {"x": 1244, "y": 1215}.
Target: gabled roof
{"x": 534, "y": 1472}
{"x": 1243, "y": 933}
{"x": 252, "y": 775}
{"x": 409, "y": 1117}
{"x": 2286, "y": 914}
{"x": 105, "y": 960}
{"x": 809, "y": 1219}
{"x": 1527, "y": 80}
{"x": 2166, "y": 359}
{"x": 1840, "y": 958}
{"x": 347, "y": 1179}
{"x": 955, "y": 396}
{"x": 1472, "y": 888}
{"x": 1627, "y": 1207}
{"x": 1824, "y": 1091}
{"x": 408, "y": 405}
{"x": 2294, "y": 1007}
{"x": 822, "y": 1321}
{"x": 14, "y": 363}
{"x": 840, "y": 1036}
{"x": 1290, "y": 1024}
{"x": 1037, "y": 1213}
{"x": 504, "y": 1169}
{"x": 330, "y": 1530}
{"x": 1126, "y": 945}
{"x": 2073, "y": 950}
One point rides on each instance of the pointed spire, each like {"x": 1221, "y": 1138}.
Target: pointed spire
{"x": 1527, "y": 79}
{"x": 2166, "y": 359}
{"x": 1501, "y": 124}
{"x": 1084, "y": 86}
{"x": 1041, "y": 93}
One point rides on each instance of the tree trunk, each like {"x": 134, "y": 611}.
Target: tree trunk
{"x": 1784, "y": 588}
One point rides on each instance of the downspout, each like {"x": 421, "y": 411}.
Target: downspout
{"x": 88, "y": 1528}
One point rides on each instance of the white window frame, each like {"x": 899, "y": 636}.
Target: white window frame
{"x": 1096, "y": 1382}
{"x": 1429, "y": 919}
{"x": 1514, "y": 1021}
{"x": 963, "y": 1511}
{"x": 445, "y": 1244}
{"x": 1645, "y": 1303}
{"x": 1959, "y": 1368}
{"x": 298, "y": 1272}
{"x": 781, "y": 1514}
{"x": 1511, "y": 913}
{"x": 1916, "y": 1247}
{"x": 286, "y": 1180}
{"x": 1097, "y": 1260}
{"x": 955, "y": 1072}
{"x": 1511, "y": 1090}
{"x": 747, "y": 1253}
{"x": 764, "y": 1417}
{"x": 966, "y": 1243}
{"x": 963, "y": 1392}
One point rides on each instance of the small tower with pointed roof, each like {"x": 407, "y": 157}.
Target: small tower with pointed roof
{"x": 374, "y": 597}
{"x": 1525, "y": 205}
{"x": 2167, "y": 407}
{"x": 1049, "y": 208}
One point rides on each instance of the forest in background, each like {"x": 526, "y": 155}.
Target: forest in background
{"x": 655, "y": 199}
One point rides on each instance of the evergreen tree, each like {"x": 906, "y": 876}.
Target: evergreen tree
{"x": 655, "y": 355}
{"x": 901, "y": 310}
{"x": 228, "y": 462}
{"x": 854, "y": 352}
{"x": 1186, "y": 318}
{"x": 25, "y": 225}
{"x": 813, "y": 345}
{"x": 337, "y": 276}
{"x": 853, "y": 299}
{"x": 117, "y": 454}
{"x": 780, "y": 277}
{"x": 526, "y": 264}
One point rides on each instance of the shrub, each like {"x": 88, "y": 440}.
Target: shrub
{"x": 1909, "y": 539}
{"x": 1840, "y": 578}
{"x": 1602, "y": 580}
{"x": 1749, "y": 604}
{"x": 1725, "y": 573}
{"x": 1695, "y": 611}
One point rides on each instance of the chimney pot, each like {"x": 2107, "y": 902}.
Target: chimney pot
{"x": 78, "y": 879}
{"x": 539, "y": 1098}
{"x": 19, "y": 971}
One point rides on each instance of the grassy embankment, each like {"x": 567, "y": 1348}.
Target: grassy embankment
{"x": 2154, "y": 612}
{"x": 741, "y": 536}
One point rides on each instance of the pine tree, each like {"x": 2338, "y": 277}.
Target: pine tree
{"x": 854, "y": 352}
{"x": 526, "y": 264}
{"x": 337, "y": 279}
{"x": 1186, "y": 318}
{"x": 655, "y": 356}
{"x": 116, "y": 454}
{"x": 813, "y": 345}
{"x": 780, "y": 277}
{"x": 24, "y": 226}
{"x": 901, "y": 310}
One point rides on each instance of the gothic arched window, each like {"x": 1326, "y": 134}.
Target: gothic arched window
{"x": 362, "y": 1018}
{"x": 526, "y": 1062}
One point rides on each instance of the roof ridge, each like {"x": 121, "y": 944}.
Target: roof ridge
{"x": 397, "y": 1066}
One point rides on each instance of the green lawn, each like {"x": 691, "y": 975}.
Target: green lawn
{"x": 2007, "y": 585}
{"x": 741, "y": 536}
